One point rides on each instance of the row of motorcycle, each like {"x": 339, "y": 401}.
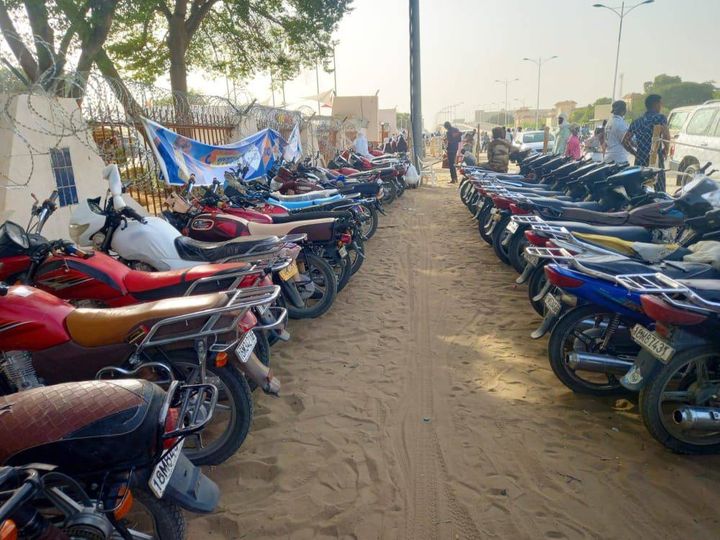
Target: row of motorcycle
{"x": 128, "y": 356}
{"x": 626, "y": 279}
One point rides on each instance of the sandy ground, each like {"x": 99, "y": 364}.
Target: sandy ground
{"x": 419, "y": 408}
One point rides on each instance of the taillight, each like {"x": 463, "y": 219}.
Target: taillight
{"x": 561, "y": 280}
{"x": 8, "y": 530}
{"x": 346, "y": 238}
{"x": 515, "y": 209}
{"x": 658, "y": 309}
{"x": 248, "y": 322}
{"x": 501, "y": 202}
{"x": 535, "y": 239}
{"x": 171, "y": 424}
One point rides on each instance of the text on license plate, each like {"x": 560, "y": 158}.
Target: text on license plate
{"x": 652, "y": 343}
{"x": 552, "y": 304}
{"x": 512, "y": 227}
{"x": 245, "y": 349}
{"x": 289, "y": 272}
{"x": 160, "y": 477}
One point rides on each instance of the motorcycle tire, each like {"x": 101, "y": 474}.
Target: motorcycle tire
{"x": 400, "y": 186}
{"x": 168, "y": 519}
{"x": 369, "y": 227}
{"x": 516, "y": 250}
{"x": 356, "y": 252}
{"x": 343, "y": 272}
{"x": 498, "y": 235}
{"x": 321, "y": 271}
{"x": 484, "y": 222}
{"x": 563, "y": 329}
{"x": 389, "y": 192}
{"x": 651, "y": 404}
{"x": 535, "y": 285}
{"x": 234, "y": 387}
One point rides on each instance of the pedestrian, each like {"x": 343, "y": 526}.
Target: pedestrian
{"x": 468, "y": 158}
{"x": 508, "y": 134}
{"x": 615, "y": 131}
{"x": 453, "y": 137}
{"x": 485, "y": 141}
{"x": 572, "y": 148}
{"x": 393, "y": 144}
{"x": 562, "y": 135}
{"x": 498, "y": 151}
{"x": 361, "y": 143}
{"x": 402, "y": 145}
{"x": 642, "y": 128}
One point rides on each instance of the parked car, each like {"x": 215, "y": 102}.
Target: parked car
{"x": 533, "y": 140}
{"x": 697, "y": 140}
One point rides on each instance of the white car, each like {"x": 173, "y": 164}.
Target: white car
{"x": 533, "y": 140}
{"x": 697, "y": 140}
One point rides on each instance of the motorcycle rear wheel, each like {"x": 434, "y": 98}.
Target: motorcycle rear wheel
{"x": 498, "y": 236}
{"x": 516, "y": 250}
{"x": 576, "y": 331}
{"x": 369, "y": 221}
{"x": 658, "y": 417}
{"x": 167, "y": 518}
{"x": 389, "y": 192}
{"x": 235, "y": 400}
{"x": 325, "y": 283}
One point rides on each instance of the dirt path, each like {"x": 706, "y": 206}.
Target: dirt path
{"x": 419, "y": 408}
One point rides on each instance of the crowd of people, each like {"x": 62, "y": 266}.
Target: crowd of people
{"x": 614, "y": 141}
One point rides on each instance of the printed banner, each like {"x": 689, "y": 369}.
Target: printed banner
{"x": 180, "y": 156}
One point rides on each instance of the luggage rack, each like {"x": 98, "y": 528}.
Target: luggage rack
{"x": 237, "y": 278}
{"x": 556, "y": 230}
{"x": 556, "y": 253}
{"x": 210, "y": 322}
{"x": 528, "y": 219}
{"x": 672, "y": 291}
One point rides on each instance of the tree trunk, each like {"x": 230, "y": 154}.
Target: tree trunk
{"x": 15, "y": 42}
{"x": 108, "y": 69}
{"x": 93, "y": 37}
{"x": 177, "y": 42}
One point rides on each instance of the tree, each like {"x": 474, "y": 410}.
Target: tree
{"x": 603, "y": 101}
{"x": 235, "y": 38}
{"x": 678, "y": 93}
{"x": 57, "y": 31}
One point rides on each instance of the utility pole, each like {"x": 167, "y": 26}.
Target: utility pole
{"x": 539, "y": 62}
{"x": 506, "y": 82}
{"x": 621, "y": 12}
{"x": 317, "y": 86}
{"x": 415, "y": 83}
{"x": 334, "y": 71}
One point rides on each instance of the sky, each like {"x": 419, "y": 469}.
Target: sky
{"x": 466, "y": 45}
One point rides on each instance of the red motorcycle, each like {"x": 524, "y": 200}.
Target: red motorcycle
{"x": 196, "y": 339}
{"x": 102, "y": 460}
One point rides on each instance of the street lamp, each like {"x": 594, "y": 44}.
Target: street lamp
{"x": 620, "y": 12}
{"x": 506, "y": 82}
{"x": 539, "y": 62}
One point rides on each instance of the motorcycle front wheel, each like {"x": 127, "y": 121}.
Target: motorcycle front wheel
{"x": 316, "y": 290}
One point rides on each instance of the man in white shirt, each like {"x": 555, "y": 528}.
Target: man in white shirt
{"x": 361, "y": 143}
{"x": 615, "y": 131}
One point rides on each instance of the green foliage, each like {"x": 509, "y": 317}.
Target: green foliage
{"x": 582, "y": 115}
{"x": 677, "y": 93}
{"x": 603, "y": 101}
{"x": 233, "y": 38}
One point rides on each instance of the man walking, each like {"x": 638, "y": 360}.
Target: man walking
{"x": 453, "y": 141}
{"x": 562, "y": 135}
{"x": 615, "y": 131}
{"x": 642, "y": 130}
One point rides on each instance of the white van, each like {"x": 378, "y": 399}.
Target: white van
{"x": 697, "y": 139}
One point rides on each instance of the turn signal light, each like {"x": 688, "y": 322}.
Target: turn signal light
{"x": 171, "y": 424}
{"x": 221, "y": 359}
{"x": 8, "y": 530}
{"x": 125, "y": 505}
{"x": 659, "y": 310}
{"x": 561, "y": 280}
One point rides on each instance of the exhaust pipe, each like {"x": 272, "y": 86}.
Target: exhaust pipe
{"x": 700, "y": 418}
{"x": 598, "y": 363}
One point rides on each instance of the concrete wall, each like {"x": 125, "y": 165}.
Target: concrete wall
{"x": 361, "y": 108}
{"x": 29, "y": 127}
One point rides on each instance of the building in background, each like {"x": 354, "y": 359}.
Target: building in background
{"x": 361, "y": 108}
{"x": 635, "y": 102}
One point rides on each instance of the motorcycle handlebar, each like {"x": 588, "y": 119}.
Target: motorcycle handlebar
{"x": 132, "y": 214}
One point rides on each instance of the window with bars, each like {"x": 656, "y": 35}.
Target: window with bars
{"x": 64, "y": 176}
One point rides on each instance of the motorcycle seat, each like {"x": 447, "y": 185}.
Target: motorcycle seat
{"x": 632, "y": 233}
{"x": 556, "y": 204}
{"x": 305, "y": 225}
{"x": 195, "y": 250}
{"x": 708, "y": 289}
{"x": 312, "y": 195}
{"x": 157, "y": 285}
{"x": 616, "y": 265}
{"x": 96, "y": 327}
{"x": 65, "y": 412}
{"x": 306, "y": 215}
{"x": 592, "y": 216}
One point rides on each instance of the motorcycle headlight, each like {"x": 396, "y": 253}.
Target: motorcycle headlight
{"x": 98, "y": 240}
{"x": 77, "y": 230}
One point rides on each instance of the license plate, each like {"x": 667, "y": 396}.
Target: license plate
{"x": 512, "y": 227}
{"x": 160, "y": 477}
{"x": 245, "y": 349}
{"x": 532, "y": 259}
{"x": 343, "y": 252}
{"x": 552, "y": 304}
{"x": 289, "y": 272}
{"x": 652, "y": 343}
